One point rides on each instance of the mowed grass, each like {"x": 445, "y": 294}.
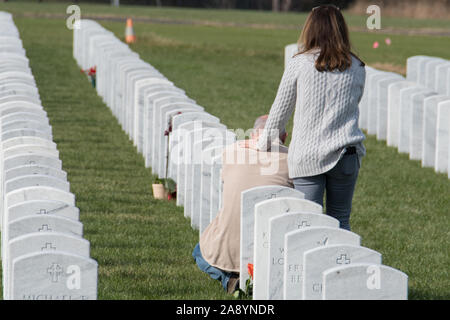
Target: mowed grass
{"x": 194, "y": 15}
{"x": 144, "y": 246}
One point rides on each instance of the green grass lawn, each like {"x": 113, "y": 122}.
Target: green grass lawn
{"x": 144, "y": 246}
{"x": 291, "y": 19}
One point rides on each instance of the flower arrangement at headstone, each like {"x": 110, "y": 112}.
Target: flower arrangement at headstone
{"x": 164, "y": 189}
{"x": 91, "y": 73}
{"x": 248, "y": 292}
{"x": 169, "y": 185}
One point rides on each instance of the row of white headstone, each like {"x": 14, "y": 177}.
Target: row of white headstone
{"x": 44, "y": 256}
{"x": 299, "y": 253}
{"x": 177, "y": 138}
{"x": 412, "y": 113}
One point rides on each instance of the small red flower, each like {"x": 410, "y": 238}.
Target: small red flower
{"x": 250, "y": 269}
{"x": 92, "y": 71}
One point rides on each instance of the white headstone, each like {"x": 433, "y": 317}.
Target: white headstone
{"x": 26, "y": 140}
{"x": 442, "y": 82}
{"x": 383, "y": 101}
{"x": 196, "y": 173}
{"x": 413, "y": 68}
{"x": 299, "y": 241}
{"x": 375, "y": 93}
{"x": 265, "y": 210}
{"x": 430, "y": 72}
{"x": 36, "y": 180}
{"x": 41, "y": 242}
{"x": 20, "y": 105}
{"x": 279, "y": 226}
{"x": 54, "y": 276}
{"x": 14, "y": 98}
{"x": 318, "y": 260}
{"x": 365, "y": 104}
{"x": 416, "y": 125}
{"x": 132, "y": 97}
{"x": 181, "y": 125}
{"x": 31, "y": 159}
{"x": 249, "y": 198}
{"x": 26, "y": 132}
{"x": 429, "y": 129}
{"x": 408, "y": 97}
{"x": 26, "y": 124}
{"x": 216, "y": 186}
{"x": 185, "y": 172}
{"x": 208, "y": 156}
{"x": 34, "y": 170}
{"x": 149, "y": 148}
{"x": 24, "y": 116}
{"x": 183, "y": 155}
{"x": 394, "y": 111}
{"x": 43, "y": 208}
{"x": 442, "y": 137}
{"x": 17, "y": 88}
{"x": 165, "y": 140}
{"x": 140, "y": 88}
{"x": 25, "y": 149}
{"x": 364, "y": 282}
{"x": 160, "y": 125}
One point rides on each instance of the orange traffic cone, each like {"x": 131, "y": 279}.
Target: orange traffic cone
{"x": 129, "y": 33}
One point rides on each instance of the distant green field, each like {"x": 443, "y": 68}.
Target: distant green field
{"x": 225, "y": 16}
{"x": 144, "y": 246}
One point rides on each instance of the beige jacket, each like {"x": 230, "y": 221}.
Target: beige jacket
{"x": 242, "y": 169}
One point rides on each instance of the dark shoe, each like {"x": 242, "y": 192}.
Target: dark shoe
{"x": 233, "y": 284}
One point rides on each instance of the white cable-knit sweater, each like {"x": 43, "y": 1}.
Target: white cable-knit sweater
{"x": 326, "y": 114}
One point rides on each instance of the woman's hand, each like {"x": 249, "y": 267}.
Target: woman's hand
{"x": 249, "y": 144}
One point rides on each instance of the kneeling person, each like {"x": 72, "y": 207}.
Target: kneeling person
{"x": 217, "y": 253}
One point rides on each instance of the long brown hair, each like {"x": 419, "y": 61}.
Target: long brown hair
{"x": 325, "y": 29}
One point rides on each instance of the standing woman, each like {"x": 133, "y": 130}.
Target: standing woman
{"x": 324, "y": 83}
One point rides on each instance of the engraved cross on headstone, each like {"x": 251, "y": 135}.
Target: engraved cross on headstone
{"x": 48, "y": 246}
{"x": 343, "y": 259}
{"x": 44, "y": 227}
{"x": 55, "y": 271}
{"x": 303, "y": 224}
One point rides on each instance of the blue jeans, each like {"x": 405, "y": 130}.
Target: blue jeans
{"x": 339, "y": 184}
{"x": 213, "y": 272}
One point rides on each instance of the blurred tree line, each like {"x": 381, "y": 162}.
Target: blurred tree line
{"x": 275, "y": 5}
